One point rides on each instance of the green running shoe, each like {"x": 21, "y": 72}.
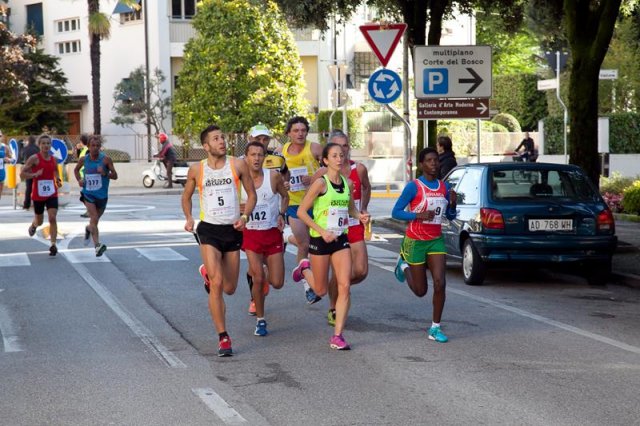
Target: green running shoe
{"x": 331, "y": 317}
{"x": 435, "y": 333}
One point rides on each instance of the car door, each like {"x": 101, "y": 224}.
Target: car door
{"x": 449, "y": 228}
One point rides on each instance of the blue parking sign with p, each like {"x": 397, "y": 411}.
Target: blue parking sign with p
{"x": 435, "y": 81}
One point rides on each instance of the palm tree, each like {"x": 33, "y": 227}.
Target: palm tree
{"x": 99, "y": 28}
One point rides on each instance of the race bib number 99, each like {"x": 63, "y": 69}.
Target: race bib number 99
{"x": 438, "y": 205}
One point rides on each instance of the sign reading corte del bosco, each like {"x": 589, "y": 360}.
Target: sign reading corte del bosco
{"x": 452, "y": 71}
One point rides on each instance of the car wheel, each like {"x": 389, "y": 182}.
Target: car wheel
{"x": 147, "y": 182}
{"x": 473, "y": 268}
{"x": 599, "y": 273}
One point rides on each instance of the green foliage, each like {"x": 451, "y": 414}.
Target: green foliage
{"x": 624, "y": 133}
{"x": 47, "y": 97}
{"x": 518, "y": 95}
{"x": 513, "y": 52}
{"x": 616, "y": 184}
{"x": 623, "y": 55}
{"x": 130, "y": 103}
{"x": 14, "y": 67}
{"x": 241, "y": 68}
{"x": 631, "y": 199}
{"x": 354, "y": 123}
{"x": 508, "y": 121}
{"x": 463, "y": 133}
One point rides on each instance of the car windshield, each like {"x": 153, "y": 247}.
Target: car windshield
{"x": 542, "y": 183}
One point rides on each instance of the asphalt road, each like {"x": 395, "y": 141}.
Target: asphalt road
{"x": 128, "y": 340}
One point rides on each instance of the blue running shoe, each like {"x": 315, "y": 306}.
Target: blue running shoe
{"x": 261, "y": 328}
{"x": 312, "y": 297}
{"x": 435, "y": 333}
{"x": 398, "y": 272}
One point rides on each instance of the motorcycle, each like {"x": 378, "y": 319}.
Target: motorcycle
{"x": 159, "y": 172}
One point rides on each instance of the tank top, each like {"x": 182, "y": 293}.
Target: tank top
{"x": 219, "y": 193}
{"x": 44, "y": 186}
{"x": 265, "y": 213}
{"x": 357, "y": 191}
{"x": 302, "y": 164}
{"x": 427, "y": 199}
{"x": 95, "y": 184}
{"x": 331, "y": 210}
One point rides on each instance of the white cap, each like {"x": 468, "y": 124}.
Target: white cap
{"x": 259, "y": 129}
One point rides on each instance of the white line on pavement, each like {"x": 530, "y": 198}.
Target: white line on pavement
{"x": 219, "y": 406}
{"x": 160, "y": 254}
{"x": 14, "y": 259}
{"x": 10, "y": 339}
{"x": 535, "y": 317}
{"x": 143, "y": 333}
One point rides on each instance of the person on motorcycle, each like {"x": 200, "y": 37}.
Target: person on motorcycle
{"x": 168, "y": 157}
{"x": 529, "y": 153}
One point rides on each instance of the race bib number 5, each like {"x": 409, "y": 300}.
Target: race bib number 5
{"x": 296, "y": 179}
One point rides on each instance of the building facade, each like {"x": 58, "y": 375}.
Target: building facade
{"x": 62, "y": 26}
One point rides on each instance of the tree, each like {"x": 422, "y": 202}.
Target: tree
{"x": 13, "y": 69}
{"x": 130, "y": 102}
{"x": 47, "y": 96}
{"x": 99, "y": 27}
{"x": 588, "y": 27}
{"x": 241, "y": 68}
{"x": 415, "y": 13}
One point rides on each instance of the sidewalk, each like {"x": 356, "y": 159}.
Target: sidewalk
{"x": 626, "y": 260}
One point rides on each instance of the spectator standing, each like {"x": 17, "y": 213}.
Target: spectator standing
{"x": 30, "y": 149}
{"x": 446, "y": 156}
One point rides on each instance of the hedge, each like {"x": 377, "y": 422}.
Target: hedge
{"x": 519, "y": 96}
{"x": 508, "y": 121}
{"x": 354, "y": 124}
{"x": 624, "y": 134}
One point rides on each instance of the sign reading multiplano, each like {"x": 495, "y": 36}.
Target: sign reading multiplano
{"x": 452, "y": 71}
{"x": 438, "y": 109}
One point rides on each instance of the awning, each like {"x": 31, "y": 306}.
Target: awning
{"x": 123, "y": 8}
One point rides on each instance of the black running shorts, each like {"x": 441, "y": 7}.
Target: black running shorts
{"x": 223, "y": 237}
{"x": 319, "y": 247}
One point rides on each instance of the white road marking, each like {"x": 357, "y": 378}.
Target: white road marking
{"x": 14, "y": 259}
{"x": 84, "y": 255}
{"x": 160, "y": 254}
{"x": 219, "y": 406}
{"x": 10, "y": 338}
{"x": 143, "y": 333}
{"x": 566, "y": 327}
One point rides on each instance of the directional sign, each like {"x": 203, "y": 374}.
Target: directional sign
{"x": 549, "y": 84}
{"x": 15, "y": 150}
{"x": 383, "y": 39}
{"x": 437, "y": 109}
{"x": 608, "y": 74}
{"x": 452, "y": 71}
{"x": 385, "y": 86}
{"x": 59, "y": 150}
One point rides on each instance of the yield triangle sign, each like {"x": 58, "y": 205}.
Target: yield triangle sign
{"x": 383, "y": 39}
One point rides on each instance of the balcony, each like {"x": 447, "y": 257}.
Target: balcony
{"x": 181, "y": 31}
{"x": 306, "y": 34}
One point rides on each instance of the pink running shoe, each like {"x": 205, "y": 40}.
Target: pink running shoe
{"x": 338, "y": 342}
{"x": 296, "y": 274}
{"x": 203, "y": 273}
